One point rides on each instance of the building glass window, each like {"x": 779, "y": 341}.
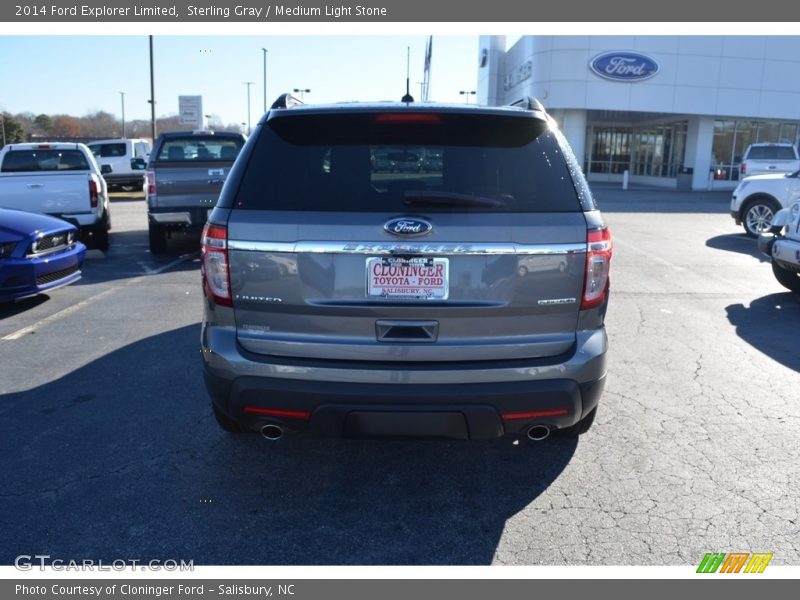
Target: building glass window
{"x": 731, "y": 139}
{"x": 722, "y": 148}
{"x": 788, "y": 133}
{"x": 654, "y": 151}
{"x": 610, "y": 150}
{"x": 769, "y": 131}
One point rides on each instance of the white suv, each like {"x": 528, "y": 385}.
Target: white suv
{"x": 127, "y": 158}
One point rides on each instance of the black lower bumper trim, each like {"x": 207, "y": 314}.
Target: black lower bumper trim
{"x": 459, "y": 411}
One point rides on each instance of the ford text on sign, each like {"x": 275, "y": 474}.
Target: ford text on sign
{"x": 624, "y": 66}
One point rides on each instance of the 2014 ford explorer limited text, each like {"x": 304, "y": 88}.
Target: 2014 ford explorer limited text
{"x": 465, "y": 302}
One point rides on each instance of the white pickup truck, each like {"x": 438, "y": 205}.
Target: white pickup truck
{"x": 782, "y": 245}
{"x": 767, "y": 157}
{"x": 58, "y": 179}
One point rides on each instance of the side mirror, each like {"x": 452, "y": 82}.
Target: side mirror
{"x": 138, "y": 164}
{"x": 105, "y": 169}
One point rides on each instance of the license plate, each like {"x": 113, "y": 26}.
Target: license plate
{"x": 413, "y": 278}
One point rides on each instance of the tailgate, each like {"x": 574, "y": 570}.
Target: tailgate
{"x": 51, "y": 193}
{"x": 189, "y": 186}
{"x": 335, "y": 286}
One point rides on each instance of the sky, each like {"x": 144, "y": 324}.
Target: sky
{"x": 82, "y": 74}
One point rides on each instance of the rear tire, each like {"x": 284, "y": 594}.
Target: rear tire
{"x": 788, "y": 279}
{"x": 158, "y": 239}
{"x": 100, "y": 234}
{"x": 758, "y": 214}
{"x": 226, "y": 423}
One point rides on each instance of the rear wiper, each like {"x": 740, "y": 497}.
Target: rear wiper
{"x": 417, "y": 197}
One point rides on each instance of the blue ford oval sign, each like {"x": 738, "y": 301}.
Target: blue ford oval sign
{"x": 624, "y": 66}
{"x": 408, "y": 226}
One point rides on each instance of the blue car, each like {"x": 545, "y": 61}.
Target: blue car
{"x": 38, "y": 253}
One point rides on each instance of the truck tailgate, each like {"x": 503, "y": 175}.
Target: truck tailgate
{"x": 57, "y": 193}
{"x": 192, "y": 186}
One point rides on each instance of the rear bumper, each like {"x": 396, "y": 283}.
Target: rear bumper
{"x": 178, "y": 217}
{"x": 436, "y": 400}
{"x": 136, "y": 179}
{"x": 80, "y": 220}
{"x": 786, "y": 253}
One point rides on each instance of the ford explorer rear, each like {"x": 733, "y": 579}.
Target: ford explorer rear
{"x": 465, "y": 301}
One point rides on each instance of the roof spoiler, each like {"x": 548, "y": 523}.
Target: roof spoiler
{"x": 528, "y": 103}
{"x": 286, "y": 101}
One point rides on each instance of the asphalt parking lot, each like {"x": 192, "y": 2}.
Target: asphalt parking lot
{"x": 110, "y": 450}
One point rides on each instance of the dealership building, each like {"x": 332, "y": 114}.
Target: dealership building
{"x": 672, "y": 111}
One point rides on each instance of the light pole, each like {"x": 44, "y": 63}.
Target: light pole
{"x": 264, "y": 50}
{"x": 208, "y": 121}
{"x": 467, "y": 93}
{"x": 302, "y": 91}
{"x": 152, "y": 95}
{"x": 122, "y": 95}
{"x": 248, "y": 84}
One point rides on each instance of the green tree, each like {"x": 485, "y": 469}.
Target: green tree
{"x": 44, "y": 123}
{"x": 11, "y": 131}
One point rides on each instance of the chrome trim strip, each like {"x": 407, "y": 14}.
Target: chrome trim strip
{"x": 41, "y": 253}
{"x": 404, "y": 248}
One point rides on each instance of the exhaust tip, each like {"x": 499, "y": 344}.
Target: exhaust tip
{"x": 272, "y": 432}
{"x": 537, "y": 433}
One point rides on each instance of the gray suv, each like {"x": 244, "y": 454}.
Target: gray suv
{"x": 466, "y": 301}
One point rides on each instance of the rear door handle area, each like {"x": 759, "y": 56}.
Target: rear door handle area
{"x": 406, "y": 331}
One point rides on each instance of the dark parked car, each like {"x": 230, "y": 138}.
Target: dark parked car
{"x": 38, "y": 253}
{"x": 465, "y": 303}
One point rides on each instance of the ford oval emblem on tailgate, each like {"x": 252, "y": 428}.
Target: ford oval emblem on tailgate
{"x": 408, "y": 226}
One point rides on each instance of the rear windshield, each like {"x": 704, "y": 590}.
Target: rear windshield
{"x": 200, "y": 148}
{"x": 772, "y": 153}
{"x": 108, "y": 150}
{"x": 17, "y": 161}
{"x": 393, "y": 161}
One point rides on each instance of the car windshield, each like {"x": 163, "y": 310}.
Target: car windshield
{"x": 378, "y": 162}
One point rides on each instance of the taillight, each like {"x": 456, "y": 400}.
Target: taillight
{"x": 93, "y": 193}
{"x": 598, "y": 262}
{"x": 151, "y": 182}
{"x": 743, "y": 168}
{"x": 214, "y": 263}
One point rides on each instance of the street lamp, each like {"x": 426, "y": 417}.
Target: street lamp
{"x": 302, "y": 91}
{"x": 264, "y": 50}
{"x": 208, "y": 121}
{"x": 122, "y": 95}
{"x": 248, "y": 84}
{"x": 467, "y": 93}
{"x": 152, "y": 100}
